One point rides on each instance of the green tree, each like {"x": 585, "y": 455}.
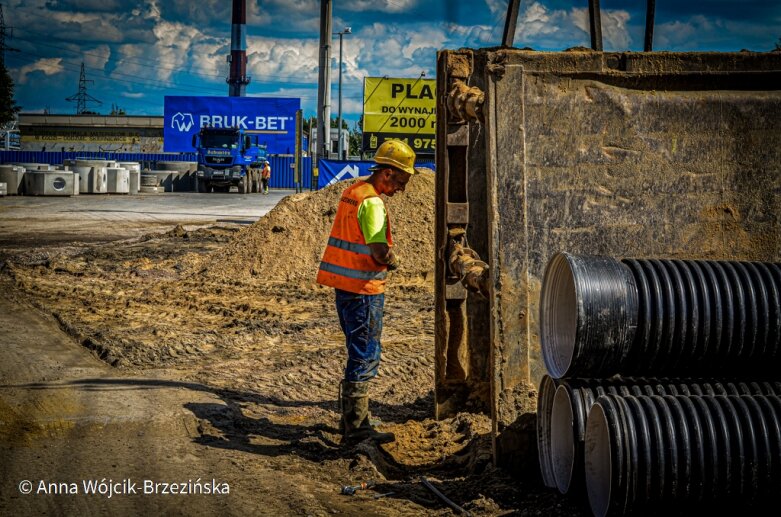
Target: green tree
{"x": 356, "y": 138}
{"x": 8, "y": 107}
{"x": 778, "y": 44}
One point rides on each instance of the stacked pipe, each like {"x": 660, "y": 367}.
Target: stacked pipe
{"x": 649, "y": 442}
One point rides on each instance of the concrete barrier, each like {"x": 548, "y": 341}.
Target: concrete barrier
{"x": 118, "y": 181}
{"x": 3, "y": 189}
{"x": 49, "y": 183}
{"x": 13, "y": 177}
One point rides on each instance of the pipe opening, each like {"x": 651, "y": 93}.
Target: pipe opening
{"x": 559, "y": 316}
{"x": 562, "y": 441}
{"x": 598, "y": 461}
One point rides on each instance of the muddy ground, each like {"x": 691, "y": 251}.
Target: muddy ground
{"x": 149, "y": 358}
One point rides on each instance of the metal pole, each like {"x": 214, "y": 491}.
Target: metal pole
{"x": 324, "y": 82}
{"x": 649, "y": 25}
{"x": 510, "y": 21}
{"x": 339, "y": 124}
{"x": 595, "y": 22}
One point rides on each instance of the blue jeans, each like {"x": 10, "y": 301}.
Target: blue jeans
{"x": 360, "y": 316}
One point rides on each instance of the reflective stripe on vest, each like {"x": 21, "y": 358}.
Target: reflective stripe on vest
{"x": 353, "y": 273}
{"x": 349, "y": 246}
{"x": 347, "y": 263}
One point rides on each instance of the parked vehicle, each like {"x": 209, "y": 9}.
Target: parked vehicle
{"x": 228, "y": 157}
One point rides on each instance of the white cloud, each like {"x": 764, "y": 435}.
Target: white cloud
{"x": 388, "y": 6}
{"x": 700, "y": 33}
{"x": 86, "y": 26}
{"x": 97, "y": 57}
{"x": 283, "y": 60}
{"x": 384, "y": 49}
{"x": 132, "y": 95}
{"x": 615, "y": 35}
{"x": 296, "y": 6}
{"x": 49, "y": 66}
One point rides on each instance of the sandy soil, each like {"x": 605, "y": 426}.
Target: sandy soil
{"x": 227, "y": 351}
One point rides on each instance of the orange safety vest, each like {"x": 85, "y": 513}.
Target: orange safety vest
{"x": 266, "y": 172}
{"x": 347, "y": 263}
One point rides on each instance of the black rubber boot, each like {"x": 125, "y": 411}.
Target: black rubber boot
{"x": 355, "y": 415}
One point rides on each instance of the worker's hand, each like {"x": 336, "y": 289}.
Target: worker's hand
{"x": 393, "y": 261}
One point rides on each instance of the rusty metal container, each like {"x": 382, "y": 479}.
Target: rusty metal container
{"x": 665, "y": 155}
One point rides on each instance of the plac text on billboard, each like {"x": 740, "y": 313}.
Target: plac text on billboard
{"x": 403, "y": 109}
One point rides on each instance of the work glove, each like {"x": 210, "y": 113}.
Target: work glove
{"x": 393, "y": 262}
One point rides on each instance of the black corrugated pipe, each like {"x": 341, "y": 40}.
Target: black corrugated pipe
{"x": 588, "y": 315}
{"x": 562, "y": 418}
{"x": 661, "y": 453}
{"x": 600, "y": 317}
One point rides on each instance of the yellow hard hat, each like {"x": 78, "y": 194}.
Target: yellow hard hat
{"x": 396, "y": 154}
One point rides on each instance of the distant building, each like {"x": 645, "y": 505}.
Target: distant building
{"x": 113, "y": 133}
{"x": 334, "y": 143}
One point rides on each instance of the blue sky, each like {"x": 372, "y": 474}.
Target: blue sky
{"x": 136, "y": 52}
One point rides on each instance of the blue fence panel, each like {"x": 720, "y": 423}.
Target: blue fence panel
{"x": 283, "y": 174}
{"x": 57, "y": 158}
{"x": 281, "y": 170}
{"x": 333, "y": 171}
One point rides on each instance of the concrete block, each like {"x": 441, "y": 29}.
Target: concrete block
{"x": 134, "y": 182}
{"x": 13, "y": 177}
{"x": 131, "y": 166}
{"x": 49, "y": 183}
{"x": 35, "y": 166}
{"x": 118, "y": 181}
{"x": 84, "y": 162}
{"x": 93, "y": 180}
{"x": 76, "y": 183}
{"x": 165, "y": 179}
{"x": 148, "y": 179}
{"x": 83, "y": 173}
{"x": 3, "y": 189}
{"x": 177, "y": 166}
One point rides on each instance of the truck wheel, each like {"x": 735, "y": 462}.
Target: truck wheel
{"x": 203, "y": 186}
{"x": 255, "y": 182}
{"x": 251, "y": 181}
{"x": 243, "y": 186}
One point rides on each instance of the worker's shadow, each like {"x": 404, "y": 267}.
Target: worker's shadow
{"x": 226, "y": 426}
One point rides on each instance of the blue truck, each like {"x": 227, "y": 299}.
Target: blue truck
{"x": 228, "y": 157}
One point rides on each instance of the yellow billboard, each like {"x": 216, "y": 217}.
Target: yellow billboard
{"x": 403, "y": 109}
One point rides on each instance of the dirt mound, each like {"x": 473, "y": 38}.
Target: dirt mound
{"x": 287, "y": 243}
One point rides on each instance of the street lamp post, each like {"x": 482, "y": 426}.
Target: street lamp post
{"x": 347, "y": 30}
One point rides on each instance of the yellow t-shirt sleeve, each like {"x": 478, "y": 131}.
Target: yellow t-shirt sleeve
{"x": 371, "y": 217}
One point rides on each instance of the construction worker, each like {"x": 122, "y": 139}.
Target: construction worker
{"x": 355, "y": 263}
{"x": 265, "y": 176}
